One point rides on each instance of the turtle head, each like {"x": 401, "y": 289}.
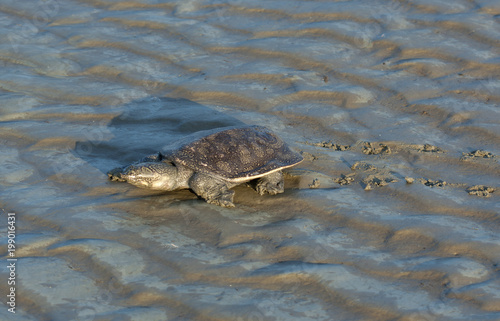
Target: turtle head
{"x": 152, "y": 175}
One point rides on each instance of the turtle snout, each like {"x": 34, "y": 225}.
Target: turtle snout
{"x": 115, "y": 175}
{"x": 123, "y": 174}
{"x": 144, "y": 175}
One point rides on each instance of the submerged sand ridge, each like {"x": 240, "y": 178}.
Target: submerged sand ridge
{"x": 393, "y": 214}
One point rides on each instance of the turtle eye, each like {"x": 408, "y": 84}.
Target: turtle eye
{"x": 160, "y": 156}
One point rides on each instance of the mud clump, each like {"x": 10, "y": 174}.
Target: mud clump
{"x": 363, "y": 166}
{"x": 409, "y": 180}
{"x": 477, "y": 154}
{"x": 308, "y": 156}
{"x": 377, "y": 180}
{"x": 433, "y": 183}
{"x": 345, "y": 179}
{"x": 315, "y": 183}
{"x": 371, "y": 149}
{"x": 428, "y": 148}
{"x": 331, "y": 145}
{"x": 481, "y": 190}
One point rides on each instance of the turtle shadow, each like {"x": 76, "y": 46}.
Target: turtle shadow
{"x": 144, "y": 128}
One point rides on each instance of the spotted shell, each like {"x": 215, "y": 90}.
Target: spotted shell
{"x": 236, "y": 154}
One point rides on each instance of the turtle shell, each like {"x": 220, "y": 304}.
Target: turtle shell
{"x": 237, "y": 154}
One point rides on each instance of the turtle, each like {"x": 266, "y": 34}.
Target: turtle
{"x": 212, "y": 162}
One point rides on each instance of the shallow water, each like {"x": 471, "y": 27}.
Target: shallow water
{"x": 410, "y": 86}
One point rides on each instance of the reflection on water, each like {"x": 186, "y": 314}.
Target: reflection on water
{"x": 387, "y": 231}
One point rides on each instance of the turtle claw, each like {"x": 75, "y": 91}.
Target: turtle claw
{"x": 224, "y": 200}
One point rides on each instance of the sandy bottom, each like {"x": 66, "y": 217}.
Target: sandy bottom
{"x": 393, "y": 215}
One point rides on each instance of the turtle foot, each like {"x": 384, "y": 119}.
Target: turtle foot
{"x": 211, "y": 189}
{"x": 268, "y": 188}
{"x": 271, "y": 184}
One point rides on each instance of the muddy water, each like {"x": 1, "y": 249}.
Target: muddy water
{"x": 393, "y": 215}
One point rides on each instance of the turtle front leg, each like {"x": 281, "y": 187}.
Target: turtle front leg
{"x": 271, "y": 184}
{"x": 212, "y": 190}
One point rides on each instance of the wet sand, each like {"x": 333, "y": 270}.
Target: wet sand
{"x": 393, "y": 215}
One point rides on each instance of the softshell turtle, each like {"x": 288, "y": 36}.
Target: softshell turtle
{"x": 211, "y": 162}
